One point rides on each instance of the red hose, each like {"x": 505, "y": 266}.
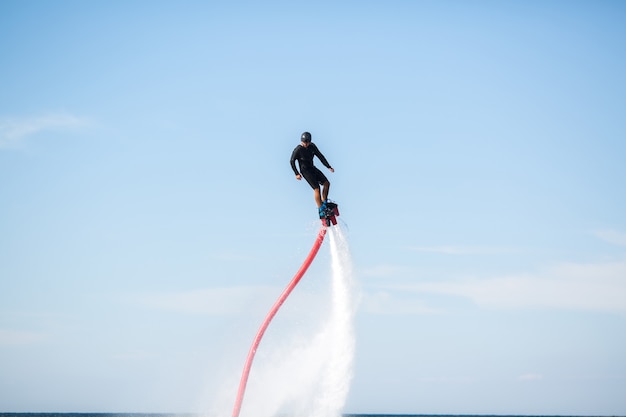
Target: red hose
{"x": 270, "y": 316}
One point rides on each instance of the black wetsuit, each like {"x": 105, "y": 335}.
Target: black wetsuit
{"x": 311, "y": 174}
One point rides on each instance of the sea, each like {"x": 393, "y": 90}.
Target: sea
{"x": 204, "y": 415}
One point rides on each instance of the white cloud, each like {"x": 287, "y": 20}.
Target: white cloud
{"x": 449, "y": 379}
{"x": 383, "y": 271}
{"x": 383, "y": 302}
{"x": 14, "y": 130}
{"x": 232, "y": 256}
{"x": 135, "y": 355}
{"x": 461, "y": 250}
{"x": 19, "y": 338}
{"x": 530, "y": 377}
{"x": 209, "y": 301}
{"x": 597, "y": 287}
{"x": 612, "y": 236}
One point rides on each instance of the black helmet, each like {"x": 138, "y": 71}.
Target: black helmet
{"x": 306, "y": 137}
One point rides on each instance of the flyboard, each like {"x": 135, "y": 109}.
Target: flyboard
{"x": 328, "y": 216}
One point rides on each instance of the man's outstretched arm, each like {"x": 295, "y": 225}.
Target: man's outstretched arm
{"x": 322, "y": 158}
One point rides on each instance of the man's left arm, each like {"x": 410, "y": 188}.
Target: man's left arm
{"x": 322, "y": 158}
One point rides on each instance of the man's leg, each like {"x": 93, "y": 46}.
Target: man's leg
{"x": 318, "y": 198}
{"x": 325, "y": 189}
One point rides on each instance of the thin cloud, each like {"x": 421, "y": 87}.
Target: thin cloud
{"x": 230, "y": 256}
{"x": 384, "y": 302}
{"x": 460, "y": 250}
{"x": 19, "y": 338}
{"x": 135, "y": 355}
{"x": 208, "y": 301}
{"x": 592, "y": 287}
{"x": 383, "y": 271}
{"x": 15, "y": 130}
{"x": 449, "y": 379}
{"x": 611, "y": 236}
{"x": 530, "y": 377}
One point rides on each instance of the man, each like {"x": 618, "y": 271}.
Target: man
{"x": 304, "y": 153}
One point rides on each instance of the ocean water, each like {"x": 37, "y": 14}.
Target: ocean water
{"x": 204, "y": 415}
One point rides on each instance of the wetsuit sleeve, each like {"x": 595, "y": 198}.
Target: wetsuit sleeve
{"x": 320, "y": 156}
{"x": 294, "y": 156}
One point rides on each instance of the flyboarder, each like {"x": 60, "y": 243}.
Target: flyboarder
{"x": 304, "y": 153}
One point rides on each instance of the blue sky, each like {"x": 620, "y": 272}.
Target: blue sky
{"x": 149, "y": 216}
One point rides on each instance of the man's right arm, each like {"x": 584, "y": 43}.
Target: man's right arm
{"x": 294, "y": 156}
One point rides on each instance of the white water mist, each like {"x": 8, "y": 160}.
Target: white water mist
{"x": 335, "y": 383}
{"x": 310, "y": 375}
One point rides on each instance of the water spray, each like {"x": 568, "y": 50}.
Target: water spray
{"x": 333, "y": 378}
{"x": 255, "y": 344}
